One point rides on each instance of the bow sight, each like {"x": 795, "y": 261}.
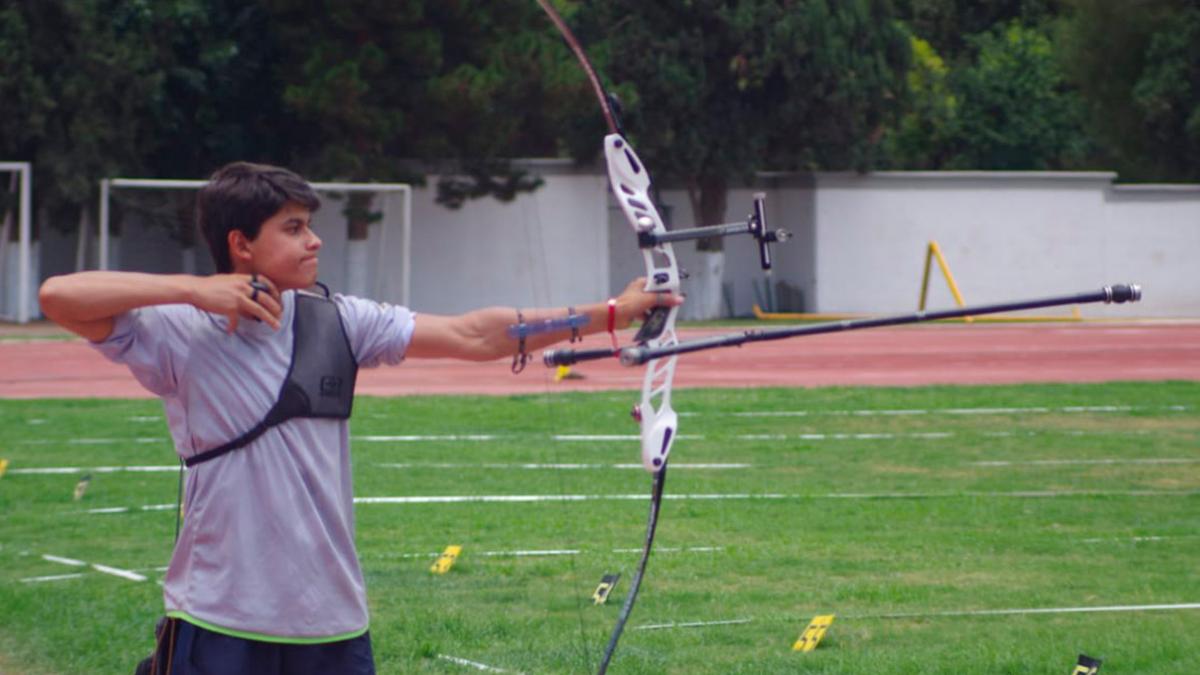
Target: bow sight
{"x": 755, "y": 226}
{"x": 651, "y": 239}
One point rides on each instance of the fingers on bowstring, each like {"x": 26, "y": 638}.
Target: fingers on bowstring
{"x": 272, "y": 305}
{"x": 265, "y": 301}
{"x": 256, "y": 309}
{"x": 272, "y": 289}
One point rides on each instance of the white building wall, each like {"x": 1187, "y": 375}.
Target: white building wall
{"x": 859, "y": 242}
{"x": 546, "y": 248}
{"x": 1005, "y": 236}
{"x": 1152, "y": 236}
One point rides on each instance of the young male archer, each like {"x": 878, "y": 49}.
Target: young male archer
{"x": 256, "y": 374}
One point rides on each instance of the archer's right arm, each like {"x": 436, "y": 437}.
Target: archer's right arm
{"x": 87, "y": 303}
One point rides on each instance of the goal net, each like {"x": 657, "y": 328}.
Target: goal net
{"x": 147, "y": 225}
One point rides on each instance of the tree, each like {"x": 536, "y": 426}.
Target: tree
{"x": 220, "y": 99}
{"x": 1015, "y": 110}
{"x": 1168, "y": 96}
{"x": 947, "y": 25}
{"x": 464, "y": 84}
{"x": 1142, "y": 88}
{"x": 1005, "y": 104}
{"x": 27, "y": 101}
{"x": 924, "y": 135}
{"x": 718, "y": 90}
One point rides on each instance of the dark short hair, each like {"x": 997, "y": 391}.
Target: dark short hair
{"x": 242, "y": 196}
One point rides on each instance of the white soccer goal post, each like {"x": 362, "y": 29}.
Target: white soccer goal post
{"x": 378, "y": 267}
{"x": 16, "y": 299}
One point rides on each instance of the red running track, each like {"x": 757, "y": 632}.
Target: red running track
{"x": 903, "y": 356}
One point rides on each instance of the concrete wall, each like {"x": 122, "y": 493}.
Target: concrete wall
{"x": 546, "y": 248}
{"x": 1005, "y": 236}
{"x": 859, "y": 242}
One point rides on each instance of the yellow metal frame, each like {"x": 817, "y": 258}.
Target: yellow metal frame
{"x": 932, "y": 252}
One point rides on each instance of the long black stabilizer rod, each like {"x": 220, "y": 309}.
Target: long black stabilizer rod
{"x": 1118, "y": 293}
{"x": 635, "y": 356}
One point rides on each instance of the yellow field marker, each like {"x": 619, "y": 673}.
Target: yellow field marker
{"x": 565, "y": 373}
{"x": 607, "y": 583}
{"x": 82, "y": 486}
{"x": 812, "y": 635}
{"x": 3, "y": 467}
{"x": 446, "y": 560}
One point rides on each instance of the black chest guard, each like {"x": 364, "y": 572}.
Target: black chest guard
{"x": 320, "y": 379}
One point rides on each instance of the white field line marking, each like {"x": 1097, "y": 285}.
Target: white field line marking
{"x": 616, "y": 437}
{"x": 523, "y": 499}
{"x": 419, "y": 437}
{"x": 94, "y": 441}
{"x": 1033, "y": 610}
{"x": 473, "y": 664}
{"x": 37, "y": 421}
{"x": 144, "y": 419}
{"x": 841, "y": 437}
{"x": 118, "y": 572}
{"x": 1067, "y": 462}
{"x": 951, "y": 613}
{"x": 691, "y": 624}
{"x": 462, "y": 499}
{"x": 127, "y": 509}
{"x": 53, "y": 577}
{"x": 944, "y": 411}
{"x": 94, "y": 469}
{"x": 555, "y": 552}
{"x": 676, "y": 549}
{"x": 64, "y": 561}
{"x": 467, "y": 465}
{"x": 115, "y": 571}
{"x": 1102, "y": 540}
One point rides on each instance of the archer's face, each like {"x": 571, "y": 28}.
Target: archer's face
{"x": 285, "y": 250}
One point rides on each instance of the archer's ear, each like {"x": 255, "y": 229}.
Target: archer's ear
{"x": 239, "y": 246}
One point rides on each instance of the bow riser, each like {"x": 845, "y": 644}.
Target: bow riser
{"x": 631, "y": 187}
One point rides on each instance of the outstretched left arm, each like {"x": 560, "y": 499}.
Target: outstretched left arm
{"x": 485, "y": 334}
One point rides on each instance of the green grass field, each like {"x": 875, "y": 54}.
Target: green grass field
{"x": 859, "y": 502}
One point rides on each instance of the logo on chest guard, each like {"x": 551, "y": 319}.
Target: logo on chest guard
{"x": 331, "y": 385}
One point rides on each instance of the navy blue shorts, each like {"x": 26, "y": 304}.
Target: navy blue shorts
{"x": 192, "y": 650}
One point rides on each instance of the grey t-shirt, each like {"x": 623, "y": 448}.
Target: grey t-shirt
{"x": 267, "y": 544}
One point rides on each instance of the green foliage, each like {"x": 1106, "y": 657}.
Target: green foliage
{"x": 377, "y": 83}
{"x": 1168, "y": 93}
{"x": 221, "y": 94}
{"x": 1006, "y": 108}
{"x": 1136, "y": 64}
{"x": 923, "y": 136}
{"x": 949, "y": 24}
{"x": 84, "y": 84}
{"x": 720, "y": 90}
{"x": 1016, "y": 111}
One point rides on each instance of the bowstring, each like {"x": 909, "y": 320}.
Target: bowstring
{"x": 542, "y": 295}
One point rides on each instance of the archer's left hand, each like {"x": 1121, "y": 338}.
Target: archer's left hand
{"x": 635, "y": 302}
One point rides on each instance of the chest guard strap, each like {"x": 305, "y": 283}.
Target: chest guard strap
{"x": 320, "y": 379}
